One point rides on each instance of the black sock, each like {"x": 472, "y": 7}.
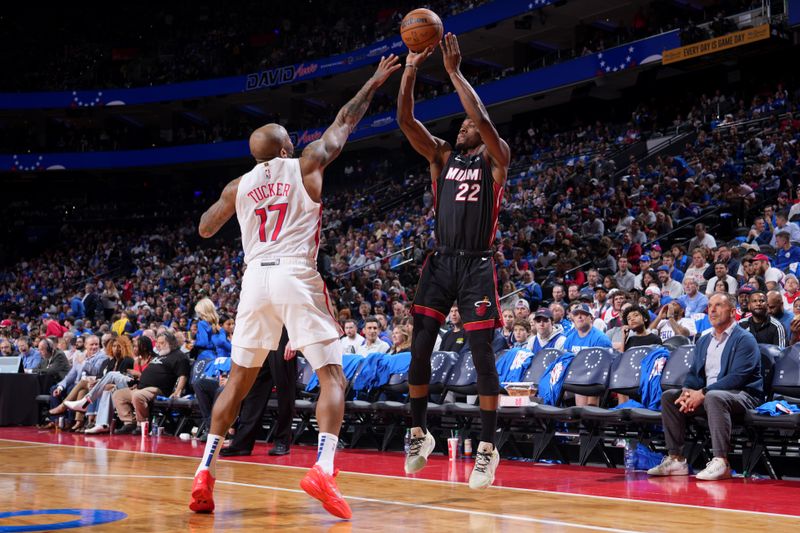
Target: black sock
{"x": 488, "y": 426}
{"x": 419, "y": 412}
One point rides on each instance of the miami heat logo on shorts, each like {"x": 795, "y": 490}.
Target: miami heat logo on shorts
{"x": 482, "y": 306}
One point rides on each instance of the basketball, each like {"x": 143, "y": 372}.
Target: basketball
{"x": 420, "y": 29}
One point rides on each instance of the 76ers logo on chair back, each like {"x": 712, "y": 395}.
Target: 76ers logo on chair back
{"x": 482, "y": 306}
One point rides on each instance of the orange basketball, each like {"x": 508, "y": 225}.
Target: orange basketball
{"x": 420, "y": 29}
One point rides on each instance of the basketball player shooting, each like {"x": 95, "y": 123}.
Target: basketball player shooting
{"x": 278, "y": 207}
{"x": 468, "y": 185}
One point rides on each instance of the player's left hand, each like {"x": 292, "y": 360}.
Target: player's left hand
{"x": 386, "y": 67}
{"x": 288, "y": 353}
{"x": 451, "y": 53}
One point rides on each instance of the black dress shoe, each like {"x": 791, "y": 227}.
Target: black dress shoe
{"x": 234, "y": 452}
{"x": 127, "y": 429}
{"x": 280, "y": 448}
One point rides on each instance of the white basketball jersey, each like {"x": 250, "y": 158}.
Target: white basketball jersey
{"x": 276, "y": 215}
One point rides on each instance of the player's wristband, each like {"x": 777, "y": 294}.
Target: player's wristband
{"x": 412, "y": 66}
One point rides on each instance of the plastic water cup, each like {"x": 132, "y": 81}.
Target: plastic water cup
{"x": 145, "y": 428}
{"x": 452, "y": 448}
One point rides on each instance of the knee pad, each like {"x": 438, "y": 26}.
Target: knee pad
{"x": 480, "y": 342}
{"x": 423, "y": 337}
{"x": 248, "y": 357}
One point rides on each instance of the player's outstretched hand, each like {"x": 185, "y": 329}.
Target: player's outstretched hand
{"x": 415, "y": 59}
{"x": 451, "y": 53}
{"x": 385, "y": 68}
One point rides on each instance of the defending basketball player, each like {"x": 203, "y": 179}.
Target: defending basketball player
{"x": 468, "y": 182}
{"x": 278, "y": 207}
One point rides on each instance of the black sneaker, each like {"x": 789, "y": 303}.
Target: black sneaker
{"x": 127, "y": 429}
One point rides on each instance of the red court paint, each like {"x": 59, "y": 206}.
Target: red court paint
{"x": 762, "y": 495}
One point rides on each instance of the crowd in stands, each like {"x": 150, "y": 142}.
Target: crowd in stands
{"x": 583, "y": 258}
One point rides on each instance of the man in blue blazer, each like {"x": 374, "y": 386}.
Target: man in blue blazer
{"x": 724, "y": 381}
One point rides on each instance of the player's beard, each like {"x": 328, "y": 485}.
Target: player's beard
{"x": 461, "y": 147}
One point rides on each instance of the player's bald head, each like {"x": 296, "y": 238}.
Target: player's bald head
{"x": 270, "y": 141}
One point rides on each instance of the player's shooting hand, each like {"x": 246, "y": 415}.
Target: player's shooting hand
{"x": 288, "y": 353}
{"x": 385, "y": 68}
{"x": 451, "y": 53}
{"x": 415, "y": 59}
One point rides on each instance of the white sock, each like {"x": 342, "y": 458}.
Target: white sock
{"x": 326, "y": 448}
{"x": 209, "y": 461}
{"x": 417, "y": 433}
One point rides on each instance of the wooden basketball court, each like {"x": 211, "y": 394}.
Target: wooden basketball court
{"x": 143, "y": 484}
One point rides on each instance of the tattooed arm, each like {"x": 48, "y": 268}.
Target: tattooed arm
{"x": 319, "y": 154}
{"x": 218, "y": 214}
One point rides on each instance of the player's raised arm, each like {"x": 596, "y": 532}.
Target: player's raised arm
{"x": 421, "y": 140}
{"x": 496, "y": 147}
{"x": 319, "y": 154}
{"x": 220, "y": 212}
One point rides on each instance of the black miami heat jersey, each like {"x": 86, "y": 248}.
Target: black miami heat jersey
{"x": 467, "y": 201}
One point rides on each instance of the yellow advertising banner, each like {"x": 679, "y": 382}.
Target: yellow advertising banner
{"x": 709, "y": 46}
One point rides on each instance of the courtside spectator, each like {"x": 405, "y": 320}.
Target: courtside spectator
{"x": 635, "y": 328}
{"x": 167, "y": 373}
{"x": 584, "y": 335}
{"x": 724, "y": 381}
{"x": 351, "y": 340}
{"x": 776, "y": 310}
{"x": 545, "y": 336}
{"x": 765, "y": 328}
{"x": 372, "y": 341}
{"x": 454, "y": 339}
{"x": 522, "y": 330}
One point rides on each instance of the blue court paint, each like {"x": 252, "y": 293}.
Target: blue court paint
{"x": 86, "y": 517}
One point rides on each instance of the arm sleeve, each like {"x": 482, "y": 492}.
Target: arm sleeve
{"x": 203, "y": 339}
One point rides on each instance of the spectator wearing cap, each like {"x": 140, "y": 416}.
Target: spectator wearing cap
{"x": 671, "y": 321}
{"x": 624, "y": 277}
{"x": 644, "y": 266}
{"x": 655, "y": 255}
{"x": 791, "y": 291}
{"x": 668, "y": 260}
{"x": 765, "y": 328}
{"x": 669, "y": 285}
{"x": 782, "y": 224}
{"x": 601, "y": 302}
{"x": 772, "y": 276}
{"x": 721, "y": 274}
{"x": 785, "y": 252}
{"x": 584, "y": 335}
{"x": 635, "y": 328}
{"x": 522, "y": 309}
{"x": 702, "y": 238}
{"x": 545, "y": 336}
{"x": 743, "y": 301}
{"x": 693, "y": 300}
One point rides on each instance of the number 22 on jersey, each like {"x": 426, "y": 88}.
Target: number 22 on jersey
{"x": 468, "y": 192}
{"x": 263, "y": 215}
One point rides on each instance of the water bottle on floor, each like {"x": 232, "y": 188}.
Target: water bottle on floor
{"x": 630, "y": 456}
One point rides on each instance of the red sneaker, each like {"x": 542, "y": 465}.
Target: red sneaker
{"x": 323, "y": 487}
{"x": 203, "y": 493}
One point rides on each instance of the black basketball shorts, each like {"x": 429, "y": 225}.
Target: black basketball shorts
{"x": 468, "y": 280}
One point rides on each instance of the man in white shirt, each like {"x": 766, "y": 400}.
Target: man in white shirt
{"x": 698, "y": 267}
{"x": 773, "y": 276}
{"x": 669, "y": 285}
{"x": 644, "y": 266}
{"x": 670, "y": 322}
{"x": 701, "y": 238}
{"x": 721, "y": 271}
{"x": 351, "y": 341}
{"x": 372, "y": 343}
{"x": 782, "y": 224}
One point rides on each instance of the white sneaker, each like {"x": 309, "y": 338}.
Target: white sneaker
{"x": 485, "y": 466}
{"x": 670, "y": 467}
{"x": 77, "y": 405}
{"x": 715, "y": 469}
{"x": 419, "y": 449}
{"x": 97, "y": 429}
